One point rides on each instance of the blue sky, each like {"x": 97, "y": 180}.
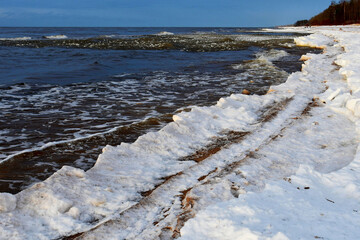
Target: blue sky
{"x": 162, "y": 13}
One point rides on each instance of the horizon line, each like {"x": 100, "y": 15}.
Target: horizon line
{"x": 140, "y": 26}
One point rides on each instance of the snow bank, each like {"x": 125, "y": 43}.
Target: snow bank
{"x": 248, "y": 165}
{"x": 7, "y": 202}
{"x": 71, "y": 199}
{"x": 320, "y": 200}
{"x": 315, "y": 41}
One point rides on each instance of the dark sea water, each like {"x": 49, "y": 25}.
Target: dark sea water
{"x": 65, "y": 93}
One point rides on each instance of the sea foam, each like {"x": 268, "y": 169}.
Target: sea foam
{"x": 56, "y": 37}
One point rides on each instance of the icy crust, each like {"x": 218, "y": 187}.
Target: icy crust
{"x": 311, "y": 185}
{"x": 7, "y": 202}
{"x": 72, "y": 200}
{"x": 315, "y": 41}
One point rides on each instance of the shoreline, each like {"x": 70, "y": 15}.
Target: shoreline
{"x": 151, "y": 177}
{"x": 317, "y": 201}
{"x": 179, "y": 84}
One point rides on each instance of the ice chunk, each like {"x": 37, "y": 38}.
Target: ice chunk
{"x": 314, "y": 40}
{"x": 354, "y": 106}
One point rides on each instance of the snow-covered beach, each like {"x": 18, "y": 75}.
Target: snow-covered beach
{"x": 321, "y": 199}
{"x": 280, "y": 166}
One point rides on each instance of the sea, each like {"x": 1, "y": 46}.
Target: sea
{"x": 66, "y": 93}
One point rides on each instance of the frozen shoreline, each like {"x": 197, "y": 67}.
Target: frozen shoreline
{"x": 318, "y": 201}
{"x": 304, "y": 131}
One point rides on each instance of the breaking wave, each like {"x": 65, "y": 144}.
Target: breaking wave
{"x": 164, "y": 33}
{"x": 56, "y": 37}
{"x": 16, "y": 38}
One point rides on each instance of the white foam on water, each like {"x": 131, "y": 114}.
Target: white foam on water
{"x": 265, "y": 57}
{"x": 16, "y": 38}
{"x": 257, "y": 38}
{"x": 54, "y": 37}
{"x": 164, "y": 33}
{"x": 261, "y": 69}
{"x": 204, "y": 33}
{"x": 109, "y": 36}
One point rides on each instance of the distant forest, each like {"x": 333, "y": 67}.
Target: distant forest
{"x": 338, "y": 13}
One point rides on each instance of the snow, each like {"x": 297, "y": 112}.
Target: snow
{"x": 294, "y": 173}
{"x": 314, "y": 40}
{"x": 284, "y": 210}
{"x": 320, "y": 200}
{"x": 7, "y": 202}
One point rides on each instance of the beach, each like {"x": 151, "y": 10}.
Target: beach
{"x": 63, "y": 100}
{"x": 283, "y": 165}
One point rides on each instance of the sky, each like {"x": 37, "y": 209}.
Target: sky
{"x": 157, "y": 13}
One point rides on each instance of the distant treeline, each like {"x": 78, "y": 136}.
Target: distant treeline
{"x": 338, "y": 13}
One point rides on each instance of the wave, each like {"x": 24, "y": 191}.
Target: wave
{"x": 61, "y": 36}
{"x": 258, "y": 38}
{"x": 146, "y": 123}
{"x": 16, "y": 38}
{"x": 162, "y": 41}
{"x": 204, "y": 33}
{"x": 265, "y": 57}
{"x": 261, "y": 71}
{"x": 272, "y": 55}
{"x": 108, "y": 36}
{"x": 55, "y": 143}
{"x": 164, "y": 33}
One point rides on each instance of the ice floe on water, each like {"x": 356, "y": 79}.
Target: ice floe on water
{"x": 280, "y": 166}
